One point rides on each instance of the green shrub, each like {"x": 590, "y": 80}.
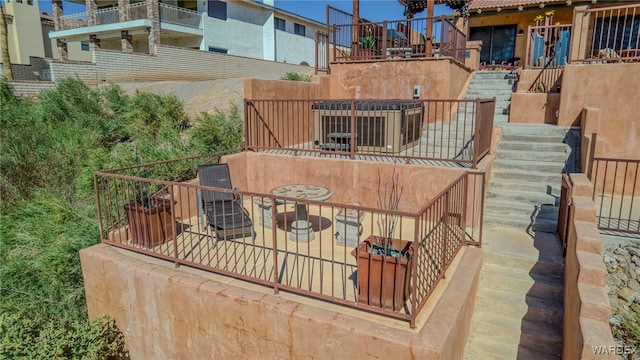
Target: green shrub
{"x": 292, "y": 76}
{"x": 217, "y": 132}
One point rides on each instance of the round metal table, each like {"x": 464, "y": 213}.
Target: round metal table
{"x": 301, "y": 229}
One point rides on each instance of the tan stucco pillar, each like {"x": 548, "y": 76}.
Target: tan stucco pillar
{"x": 580, "y": 34}
{"x": 154, "y": 32}
{"x": 92, "y": 7}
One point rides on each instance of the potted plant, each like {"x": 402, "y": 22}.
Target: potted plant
{"x": 384, "y": 263}
{"x": 368, "y": 43}
{"x": 149, "y": 217}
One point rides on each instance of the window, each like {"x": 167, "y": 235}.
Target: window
{"x": 84, "y": 46}
{"x": 498, "y": 42}
{"x": 218, "y": 50}
{"x": 299, "y": 29}
{"x": 280, "y": 24}
{"x": 217, "y": 9}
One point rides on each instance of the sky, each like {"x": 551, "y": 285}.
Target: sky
{"x": 372, "y": 10}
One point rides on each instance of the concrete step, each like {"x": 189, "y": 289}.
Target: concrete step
{"x": 536, "y": 129}
{"x": 542, "y": 147}
{"x": 519, "y": 222}
{"x": 551, "y": 156}
{"x": 493, "y": 350}
{"x": 523, "y": 197}
{"x": 518, "y": 306}
{"x": 500, "y": 96}
{"x": 489, "y": 87}
{"x": 534, "y": 138}
{"x": 514, "y": 208}
{"x": 544, "y": 338}
{"x": 494, "y": 75}
{"x": 525, "y": 176}
{"x": 530, "y": 165}
{"x": 550, "y": 287}
{"x": 540, "y": 266}
{"x": 526, "y": 186}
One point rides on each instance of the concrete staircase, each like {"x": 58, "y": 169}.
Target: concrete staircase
{"x": 519, "y": 305}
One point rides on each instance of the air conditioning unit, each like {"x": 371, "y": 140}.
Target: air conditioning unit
{"x": 380, "y": 127}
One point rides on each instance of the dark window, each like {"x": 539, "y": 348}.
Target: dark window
{"x": 280, "y": 24}
{"x": 299, "y": 29}
{"x": 217, "y": 9}
{"x": 218, "y": 50}
{"x": 84, "y": 46}
{"x": 498, "y": 42}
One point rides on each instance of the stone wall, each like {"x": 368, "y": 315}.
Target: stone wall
{"x": 31, "y": 72}
{"x": 586, "y": 304}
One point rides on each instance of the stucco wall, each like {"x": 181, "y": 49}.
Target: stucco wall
{"x": 534, "y": 108}
{"x": 181, "y": 313}
{"x": 612, "y": 88}
{"x": 586, "y": 304}
{"x": 350, "y": 181}
{"x": 24, "y": 31}
{"x": 438, "y": 79}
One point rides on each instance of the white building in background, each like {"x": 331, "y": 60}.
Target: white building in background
{"x": 239, "y": 27}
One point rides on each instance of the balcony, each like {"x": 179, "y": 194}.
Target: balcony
{"x": 169, "y": 14}
{"x": 440, "y": 212}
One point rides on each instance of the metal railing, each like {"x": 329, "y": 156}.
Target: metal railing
{"x": 454, "y": 132}
{"x": 322, "y": 53}
{"x": 616, "y": 193}
{"x": 397, "y": 39}
{"x": 173, "y": 229}
{"x": 548, "y": 50}
{"x": 180, "y": 16}
{"x": 564, "y": 212}
{"x": 168, "y": 14}
{"x": 614, "y": 34}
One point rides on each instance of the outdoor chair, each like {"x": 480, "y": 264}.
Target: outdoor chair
{"x": 224, "y": 212}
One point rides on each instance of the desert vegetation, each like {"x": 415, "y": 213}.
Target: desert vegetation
{"x": 50, "y": 146}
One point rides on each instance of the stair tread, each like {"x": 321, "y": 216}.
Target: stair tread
{"x": 520, "y": 300}
{"x": 524, "y": 275}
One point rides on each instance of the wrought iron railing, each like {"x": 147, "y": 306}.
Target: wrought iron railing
{"x": 564, "y": 212}
{"x": 397, "y": 39}
{"x": 548, "y": 50}
{"x": 323, "y": 266}
{"x": 454, "y": 132}
{"x": 613, "y": 35}
{"x": 616, "y": 193}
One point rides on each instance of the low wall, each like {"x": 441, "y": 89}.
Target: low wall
{"x": 350, "y": 180}
{"x": 438, "y": 78}
{"x": 170, "y": 63}
{"x": 261, "y": 89}
{"x": 534, "y": 108}
{"x": 31, "y": 72}
{"x": 165, "y": 312}
{"x": 31, "y": 88}
{"x": 586, "y": 304}
{"x": 610, "y": 88}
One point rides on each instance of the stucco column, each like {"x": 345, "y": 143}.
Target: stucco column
{"x": 579, "y": 42}
{"x": 62, "y": 49}
{"x": 125, "y": 41}
{"x": 56, "y": 6}
{"x": 92, "y": 7}
{"x": 153, "y": 14}
{"x": 122, "y": 10}
{"x": 269, "y": 39}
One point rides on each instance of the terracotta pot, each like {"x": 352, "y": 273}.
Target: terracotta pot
{"x": 150, "y": 226}
{"x": 383, "y": 281}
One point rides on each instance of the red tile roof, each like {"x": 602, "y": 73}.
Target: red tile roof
{"x": 492, "y": 4}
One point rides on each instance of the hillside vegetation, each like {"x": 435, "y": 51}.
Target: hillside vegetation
{"x": 50, "y": 147}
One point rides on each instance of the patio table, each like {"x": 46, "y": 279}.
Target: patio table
{"x": 301, "y": 229}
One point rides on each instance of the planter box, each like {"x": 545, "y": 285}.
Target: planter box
{"x": 150, "y": 226}
{"x": 383, "y": 281}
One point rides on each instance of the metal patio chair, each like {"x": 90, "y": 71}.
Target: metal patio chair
{"x": 224, "y": 212}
